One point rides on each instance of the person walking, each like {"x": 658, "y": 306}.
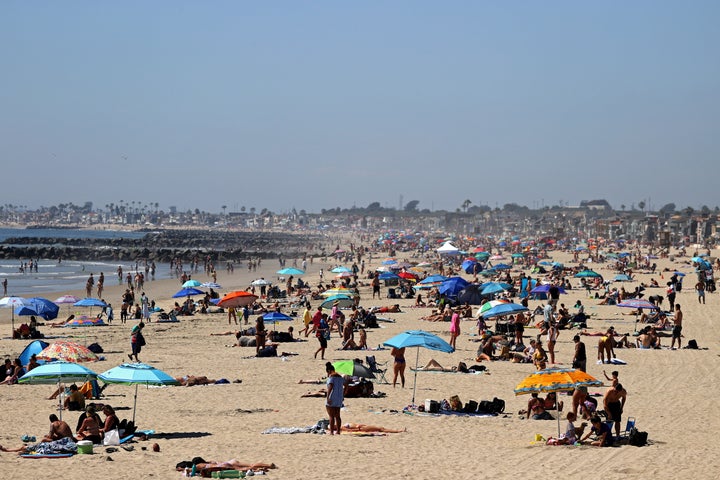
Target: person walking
{"x": 137, "y": 341}
{"x": 580, "y": 358}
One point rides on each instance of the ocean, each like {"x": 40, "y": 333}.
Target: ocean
{"x": 67, "y": 275}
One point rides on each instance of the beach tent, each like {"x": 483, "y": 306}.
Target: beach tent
{"x": 33, "y": 348}
{"x": 470, "y": 295}
{"x": 448, "y": 249}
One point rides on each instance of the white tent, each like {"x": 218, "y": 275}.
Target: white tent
{"x": 448, "y": 249}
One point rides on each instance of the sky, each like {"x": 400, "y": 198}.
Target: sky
{"x": 322, "y": 104}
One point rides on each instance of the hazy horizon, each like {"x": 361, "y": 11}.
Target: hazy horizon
{"x": 317, "y": 105}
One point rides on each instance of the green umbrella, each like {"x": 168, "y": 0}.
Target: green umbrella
{"x": 352, "y": 368}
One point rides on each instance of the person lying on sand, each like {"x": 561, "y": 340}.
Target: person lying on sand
{"x": 233, "y": 464}
{"x": 361, "y": 427}
{"x": 191, "y": 380}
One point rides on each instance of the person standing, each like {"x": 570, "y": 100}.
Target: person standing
{"x": 145, "y": 302}
{"x": 232, "y": 315}
{"x": 398, "y": 355}
{"x": 670, "y": 292}
{"x": 4, "y": 284}
{"x": 307, "y": 320}
{"x": 335, "y": 388}
{"x": 454, "y": 328}
{"x": 614, "y": 404}
{"x": 580, "y": 358}
{"x": 100, "y": 284}
{"x": 552, "y": 336}
{"x": 89, "y": 285}
{"x": 700, "y": 289}
{"x": 376, "y": 285}
{"x": 137, "y": 341}
{"x": 260, "y": 334}
{"x": 677, "y": 329}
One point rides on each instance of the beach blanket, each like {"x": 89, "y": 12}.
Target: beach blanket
{"x": 614, "y": 361}
{"x": 62, "y": 446}
{"x": 56, "y": 455}
{"x": 292, "y": 430}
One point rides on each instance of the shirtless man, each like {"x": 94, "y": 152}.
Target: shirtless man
{"x": 614, "y": 404}
{"x": 58, "y": 429}
{"x": 677, "y": 329}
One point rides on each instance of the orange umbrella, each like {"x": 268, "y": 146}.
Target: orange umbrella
{"x": 238, "y": 298}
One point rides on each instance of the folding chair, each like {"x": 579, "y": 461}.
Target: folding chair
{"x": 374, "y": 367}
{"x": 628, "y": 426}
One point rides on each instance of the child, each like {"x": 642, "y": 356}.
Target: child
{"x": 572, "y": 433}
{"x": 614, "y": 378}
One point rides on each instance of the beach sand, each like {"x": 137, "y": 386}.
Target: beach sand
{"x": 670, "y": 393}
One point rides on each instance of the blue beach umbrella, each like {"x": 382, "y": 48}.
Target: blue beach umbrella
{"x": 344, "y": 301}
{"x": 291, "y": 271}
{"x": 623, "y": 278}
{"x": 504, "y": 309}
{"x": 452, "y": 286}
{"x": 388, "y": 276}
{"x": 276, "y": 317}
{"x": 340, "y": 270}
{"x": 188, "y": 292}
{"x": 137, "y": 374}
{"x": 58, "y": 372}
{"x": 90, "y": 302}
{"x": 191, "y": 284}
{"x": 41, "y": 307}
{"x": 418, "y": 338}
{"x": 587, "y": 274}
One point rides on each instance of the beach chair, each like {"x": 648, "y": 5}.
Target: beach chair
{"x": 629, "y": 425}
{"x": 375, "y": 368}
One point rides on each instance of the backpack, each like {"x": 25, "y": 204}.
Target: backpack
{"x": 637, "y": 438}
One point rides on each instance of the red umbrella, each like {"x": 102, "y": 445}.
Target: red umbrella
{"x": 239, "y": 298}
{"x": 407, "y": 276}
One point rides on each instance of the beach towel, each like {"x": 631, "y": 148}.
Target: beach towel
{"x": 56, "y": 455}
{"x": 62, "y": 446}
{"x": 292, "y": 430}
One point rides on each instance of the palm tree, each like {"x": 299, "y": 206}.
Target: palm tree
{"x": 466, "y": 204}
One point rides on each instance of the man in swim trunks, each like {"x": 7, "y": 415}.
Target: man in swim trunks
{"x": 614, "y": 404}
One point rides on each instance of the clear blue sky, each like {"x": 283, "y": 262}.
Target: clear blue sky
{"x": 282, "y": 104}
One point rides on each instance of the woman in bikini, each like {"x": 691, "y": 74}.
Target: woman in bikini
{"x": 398, "y": 365}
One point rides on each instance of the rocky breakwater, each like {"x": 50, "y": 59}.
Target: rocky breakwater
{"x": 166, "y": 245}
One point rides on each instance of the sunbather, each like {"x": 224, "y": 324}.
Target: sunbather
{"x": 361, "y": 427}
{"x": 232, "y": 465}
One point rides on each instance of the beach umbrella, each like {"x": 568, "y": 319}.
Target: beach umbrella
{"x": 389, "y": 261}
{"x": 502, "y": 266}
{"x": 622, "y": 278}
{"x": 545, "y": 288}
{"x": 353, "y": 369}
{"x": 137, "y": 374}
{"x": 191, "y": 284}
{"x": 14, "y": 303}
{"x": 41, "y": 307}
{"x": 90, "y": 302}
{"x": 488, "y": 305}
{"x": 556, "y": 380}
{"x": 343, "y": 301}
{"x": 349, "y": 292}
{"x": 637, "y": 303}
{"x": 407, "y": 276}
{"x": 504, "y": 309}
{"x": 188, "y": 292}
{"x": 469, "y": 266}
{"x": 213, "y": 285}
{"x": 33, "y": 348}
{"x": 387, "y": 276}
{"x": 344, "y": 275}
{"x": 238, "y": 298}
{"x": 276, "y": 317}
{"x": 67, "y": 352}
{"x": 418, "y": 338}
{"x": 448, "y": 249}
{"x": 291, "y": 271}
{"x": 517, "y": 255}
{"x": 58, "y": 372}
{"x": 67, "y": 299}
{"x": 497, "y": 257}
{"x": 260, "y": 282}
{"x": 587, "y": 274}
{"x": 452, "y": 286}
{"x": 340, "y": 270}
{"x": 491, "y": 288}
{"x": 85, "y": 321}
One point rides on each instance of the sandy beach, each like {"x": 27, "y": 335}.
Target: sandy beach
{"x": 670, "y": 393}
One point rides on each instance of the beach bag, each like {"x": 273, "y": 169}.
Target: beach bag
{"x": 485, "y": 406}
{"x": 471, "y": 407}
{"x": 692, "y": 344}
{"x": 498, "y": 405}
{"x": 112, "y": 437}
{"x": 637, "y": 438}
{"x": 455, "y": 403}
